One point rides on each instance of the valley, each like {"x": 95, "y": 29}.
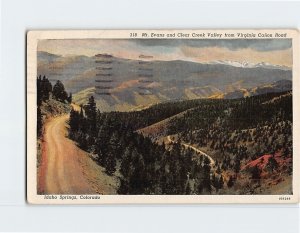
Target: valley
{"x": 206, "y": 146}
{"x": 178, "y": 128}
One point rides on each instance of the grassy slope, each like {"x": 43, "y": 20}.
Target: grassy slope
{"x": 159, "y": 129}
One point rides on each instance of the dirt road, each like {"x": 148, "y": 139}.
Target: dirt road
{"x": 212, "y": 162}
{"x": 65, "y": 168}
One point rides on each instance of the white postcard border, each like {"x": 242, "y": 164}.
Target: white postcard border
{"x": 33, "y": 198}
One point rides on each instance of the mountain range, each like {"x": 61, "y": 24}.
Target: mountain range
{"x": 246, "y": 64}
{"x": 127, "y": 84}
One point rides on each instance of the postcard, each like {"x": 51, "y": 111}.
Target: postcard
{"x": 163, "y": 116}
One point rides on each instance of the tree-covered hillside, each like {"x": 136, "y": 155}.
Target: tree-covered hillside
{"x": 46, "y": 92}
{"x": 250, "y": 140}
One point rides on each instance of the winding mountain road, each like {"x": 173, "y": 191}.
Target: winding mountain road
{"x": 212, "y": 162}
{"x": 65, "y": 168}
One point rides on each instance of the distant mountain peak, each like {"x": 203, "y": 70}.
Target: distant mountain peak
{"x": 245, "y": 64}
{"x": 46, "y": 55}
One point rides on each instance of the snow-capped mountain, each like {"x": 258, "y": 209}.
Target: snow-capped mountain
{"x": 245, "y": 64}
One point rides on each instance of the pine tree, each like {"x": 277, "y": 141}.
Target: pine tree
{"x": 102, "y": 141}
{"x": 91, "y": 115}
{"x": 39, "y": 121}
{"x": 83, "y": 125}
{"x": 69, "y": 98}
{"x": 82, "y": 140}
{"x": 126, "y": 163}
{"x": 47, "y": 88}
{"x": 286, "y": 152}
{"x": 124, "y": 187}
{"x": 218, "y": 169}
{"x": 215, "y": 182}
{"x": 188, "y": 189}
{"x": 39, "y": 90}
{"x": 74, "y": 121}
{"x": 230, "y": 182}
{"x": 255, "y": 173}
{"x": 59, "y": 92}
{"x": 221, "y": 182}
{"x": 237, "y": 165}
{"x": 114, "y": 145}
{"x": 44, "y": 88}
{"x": 137, "y": 178}
{"x": 110, "y": 163}
{"x": 206, "y": 182}
{"x": 272, "y": 163}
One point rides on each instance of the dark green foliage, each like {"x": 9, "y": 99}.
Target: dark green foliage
{"x": 239, "y": 129}
{"x": 78, "y": 127}
{"x": 112, "y": 153}
{"x": 221, "y": 182}
{"x": 206, "y": 182}
{"x": 158, "y": 112}
{"x": 59, "y": 92}
{"x": 126, "y": 163}
{"x": 74, "y": 120}
{"x": 44, "y": 88}
{"x": 237, "y": 165}
{"x": 44, "y": 92}
{"x": 272, "y": 163}
{"x": 145, "y": 167}
{"x": 188, "y": 189}
{"x": 39, "y": 121}
{"x": 255, "y": 173}
{"x": 110, "y": 163}
{"x": 91, "y": 116}
{"x": 286, "y": 152}
{"x": 217, "y": 182}
{"x": 69, "y": 99}
{"x": 230, "y": 182}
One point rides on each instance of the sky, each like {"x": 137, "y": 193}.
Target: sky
{"x": 273, "y": 51}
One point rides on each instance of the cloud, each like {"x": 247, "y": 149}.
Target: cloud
{"x": 231, "y": 44}
{"x": 274, "y": 51}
